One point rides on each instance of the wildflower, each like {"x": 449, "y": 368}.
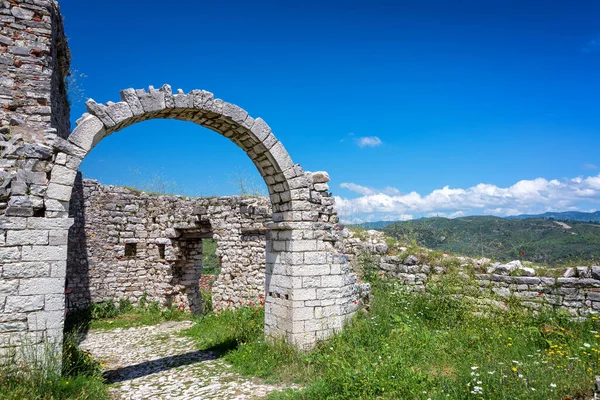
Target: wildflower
{"x": 514, "y": 369}
{"x": 522, "y": 252}
{"x": 474, "y": 368}
{"x": 553, "y": 385}
{"x": 587, "y": 345}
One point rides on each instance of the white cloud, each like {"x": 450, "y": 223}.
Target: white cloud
{"x": 524, "y": 197}
{"x": 589, "y": 166}
{"x": 368, "y": 141}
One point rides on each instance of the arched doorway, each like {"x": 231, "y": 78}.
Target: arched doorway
{"x": 309, "y": 291}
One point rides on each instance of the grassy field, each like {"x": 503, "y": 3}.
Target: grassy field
{"x": 420, "y": 346}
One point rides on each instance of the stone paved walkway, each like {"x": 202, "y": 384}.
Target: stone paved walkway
{"x": 153, "y": 362}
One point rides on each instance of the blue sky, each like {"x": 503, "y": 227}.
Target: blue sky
{"x": 396, "y": 100}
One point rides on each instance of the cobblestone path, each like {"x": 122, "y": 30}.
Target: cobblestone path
{"x": 153, "y": 362}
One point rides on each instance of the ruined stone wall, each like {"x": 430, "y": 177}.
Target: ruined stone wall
{"x": 167, "y": 233}
{"x": 34, "y": 113}
{"x": 574, "y": 290}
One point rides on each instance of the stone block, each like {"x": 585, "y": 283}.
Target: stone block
{"x": 304, "y": 294}
{"x": 54, "y": 302}
{"x": 57, "y": 238}
{"x": 37, "y": 286}
{"x": 13, "y": 223}
{"x": 10, "y": 253}
{"x": 43, "y": 320}
{"x": 118, "y": 112}
{"x": 26, "y": 237}
{"x": 20, "y": 304}
{"x": 100, "y": 111}
{"x": 332, "y": 281}
{"x": 44, "y": 253}
{"x": 153, "y": 100}
{"x": 63, "y": 176}
{"x": 26, "y": 270}
{"x": 49, "y": 223}
{"x": 16, "y": 326}
{"x": 130, "y": 96}
{"x": 59, "y": 192}
{"x": 8, "y": 287}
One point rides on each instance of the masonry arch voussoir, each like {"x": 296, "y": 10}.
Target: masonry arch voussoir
{"x": 286, "y": 182}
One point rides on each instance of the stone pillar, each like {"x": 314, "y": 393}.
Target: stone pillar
{"x": 34, "y": 112}
{"x": 309, "y": 291}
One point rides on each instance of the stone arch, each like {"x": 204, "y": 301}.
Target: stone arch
{"x": 309, "y": 289}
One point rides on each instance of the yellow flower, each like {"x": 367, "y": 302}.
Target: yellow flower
{"x": 514, "y": 369}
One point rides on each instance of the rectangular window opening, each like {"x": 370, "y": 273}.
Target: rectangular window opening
{"x": 161, "y": 251}
{"x": 210, "y": 262}
{"x": 130, "y": 249}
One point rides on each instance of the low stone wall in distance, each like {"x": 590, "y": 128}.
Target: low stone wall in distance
{"x": 575, "y": 290}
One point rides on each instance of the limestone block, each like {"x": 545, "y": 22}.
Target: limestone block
{"x": 44, "y": 253}
{"x": 54, "y": 302}
{"x": 168, "y": 93}
{"x": 43, "y": 320}
{"x": 59, "y": 192}
{"x": 182, "y": 100}
{"x": 9, "y": 253}
{"x": 100, "y": 111}
{"x": 26, "y": 237}
{"x": 37, "y": 286}
{"x": 19, "y": 304}
{"x": 13, "y": 223}
{"x": 234, "y": 112}
{"x": 49, "y": 223}
{"x": 26, "y": 270}
{"x": 130, "y": 96}
{"x": 320, "y": 177}
{"x": 15, "y": 326}
{"x": 281, "y": 157}
{"x": 8, "y": 287}
{"x": 153, "y": 100}
{"x": 88, "y": 133}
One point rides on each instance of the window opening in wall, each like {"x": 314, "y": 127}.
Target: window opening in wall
{"x": 161, "y": 251}
{"x": 210, "y": 261}
{"x": 130, "y": 249}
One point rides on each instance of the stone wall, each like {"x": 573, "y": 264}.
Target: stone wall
{"x": 574, "y": 290}
{"x": 125, "y": 243}
{"x": 34, "y": 113}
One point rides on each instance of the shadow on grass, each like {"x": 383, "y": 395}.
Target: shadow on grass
{"x": 163, "y": 364}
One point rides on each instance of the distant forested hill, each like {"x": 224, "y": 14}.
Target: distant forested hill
{"x": 533, "y": 239}
{"x": 563, "y": 216}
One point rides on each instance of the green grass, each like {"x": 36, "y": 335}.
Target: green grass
{"x": 40, "y": 377}
{"x": 420, "y": 346}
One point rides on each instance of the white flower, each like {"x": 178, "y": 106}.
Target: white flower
{"x": 587, "y": 345}
{"x": 474, "y": 368}
{"x": 553, "y": 385}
